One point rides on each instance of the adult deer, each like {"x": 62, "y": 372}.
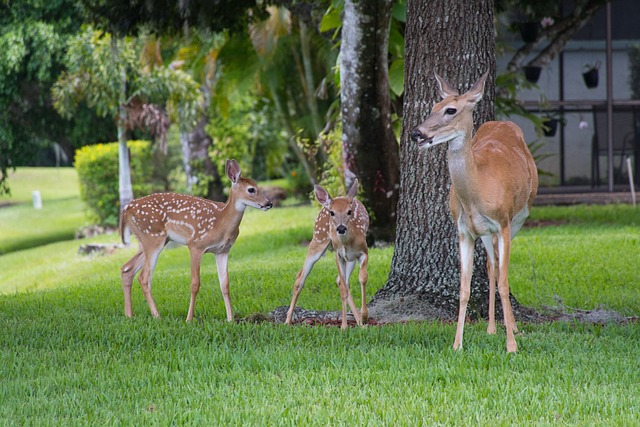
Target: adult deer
{"x": 200, "y": 224}
{"x": 343, "y": 222}
{"x": 494, "y": 181}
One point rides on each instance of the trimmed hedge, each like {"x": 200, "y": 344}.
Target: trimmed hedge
{"x": 97, "y": 167}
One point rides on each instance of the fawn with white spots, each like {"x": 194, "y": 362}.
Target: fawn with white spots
{"x": 202, "y": 225}
{"x": 344, "y": 222}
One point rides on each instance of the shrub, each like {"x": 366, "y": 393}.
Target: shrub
{"x": 97, "y": 167}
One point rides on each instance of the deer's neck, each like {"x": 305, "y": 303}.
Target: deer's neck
{"x": 232, "y": 212}
{"x": 462, "y": 167}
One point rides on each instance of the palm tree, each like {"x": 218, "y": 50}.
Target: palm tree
{"x": 106, "y": 73}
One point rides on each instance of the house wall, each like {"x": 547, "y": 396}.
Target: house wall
{"x": 577, "y": 141}
{"x": 587, "y": 47}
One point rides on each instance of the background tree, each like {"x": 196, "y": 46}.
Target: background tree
{"x": 112, "y": 80}
{"x": 369, "y": 145}
{"x": 456, "y": 40}
{"x": 33, "y": 36}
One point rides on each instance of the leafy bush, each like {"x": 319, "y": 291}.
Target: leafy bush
{"x": 97, "y": 167}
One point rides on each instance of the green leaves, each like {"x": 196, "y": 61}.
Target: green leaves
{"x": 99, "y": 66}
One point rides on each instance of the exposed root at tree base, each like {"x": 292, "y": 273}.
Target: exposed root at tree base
{"x": 415, "y": 308}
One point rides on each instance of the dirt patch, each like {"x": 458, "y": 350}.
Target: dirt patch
{"x": 414, "y": 309}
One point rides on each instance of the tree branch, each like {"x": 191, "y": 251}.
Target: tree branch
{"x": 558, "y": 35}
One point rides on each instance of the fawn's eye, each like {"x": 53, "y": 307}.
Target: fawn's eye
{"x": 450, "y": 111}
{"x": 251, "y": 190}
{"x": 332, "y": 213}
{"x": 349, "y": 212}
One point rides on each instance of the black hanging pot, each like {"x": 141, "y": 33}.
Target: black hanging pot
{"x": 591, "y": 76}
{"x": 528, "y": 31}
{"x": 550, "y": 127}
{"x": 532, "y": 73}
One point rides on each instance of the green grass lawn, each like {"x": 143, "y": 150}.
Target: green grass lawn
{"x": 22, "y": 226}
{"x": 70, "y": 357}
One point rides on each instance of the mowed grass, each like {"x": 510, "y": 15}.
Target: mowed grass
{"x": 22, "y": 226}
{"x": 70, "y": 357}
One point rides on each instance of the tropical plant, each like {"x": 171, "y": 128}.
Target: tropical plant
{"x": 33, "y": 36}
{"x": 107, "y": 75}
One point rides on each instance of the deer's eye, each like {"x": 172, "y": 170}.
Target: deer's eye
{"x": 251, "y": 190}
{"x": 332, "y": 213}
{"x": 450, "y": 111}
{"x": 349, "y": 212}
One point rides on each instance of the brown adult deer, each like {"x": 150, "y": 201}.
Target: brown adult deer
{"x": 344, "y": 222}
{"x": 494, "y": 181}
{"x": 200, "y": 224}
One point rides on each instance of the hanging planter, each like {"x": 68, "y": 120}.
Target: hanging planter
{"x": 550, "y": 126}
{"x": 532, "y": 73}
{"x": 529, "y": 31}
{"x": 590, "y": 75}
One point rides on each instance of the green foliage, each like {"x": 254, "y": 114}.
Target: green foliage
{"x": 97, "y": 167}
{"x": 332, "y": 178}
{"x": 125, "y": 17}
{"x": 299, "y": 183}
{"x": 33, "y": 37}
{"x": 96, "y": 67}
{"x": 249, "y": 133}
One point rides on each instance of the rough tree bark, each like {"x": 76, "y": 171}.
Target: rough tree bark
{"x": 370, "y": 148}
{"x": 456, "y": 40}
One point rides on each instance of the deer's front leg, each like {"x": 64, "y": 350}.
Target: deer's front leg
{"x": 152, "y": 251}
{"x": 196, "y": 260}
{"x": 316, "y": 250}
{"x": 504, "y": 252}
{"x": 491, "y": 245}
{"x": 350, "y": 265}
{"x": 363, "y": 276}
{"x": 222, "y": 261}
{"x": 129, "y": 270}
{"x": 345, "y": 295}
{"x": 466, "y": 270}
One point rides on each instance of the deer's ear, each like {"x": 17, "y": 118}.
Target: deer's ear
{"x": 444, "y": 88}
{"x": 353, "y": 191}
{"x": 233, "y": 170}
{"x": 477, "y": 90}
{"x": 322, "y": 196}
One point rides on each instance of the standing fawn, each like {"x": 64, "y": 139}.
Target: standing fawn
{"x": 200, "y": 224}
{"x": 494, "y": 181}
{"x": 344, "y": 222}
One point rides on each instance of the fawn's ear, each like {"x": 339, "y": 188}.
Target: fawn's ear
{"x": 353, "y": 191}
{"x": 233, "y": 170}
{"x": 322, "y": 196}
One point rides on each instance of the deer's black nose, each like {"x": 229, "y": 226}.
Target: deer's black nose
{"x": 416, "y": 135}
{"x": 341, "y": 229}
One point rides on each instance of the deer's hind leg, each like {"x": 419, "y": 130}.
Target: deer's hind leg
{"x": 129, "y": 270}
{"x": 152, "y": 249}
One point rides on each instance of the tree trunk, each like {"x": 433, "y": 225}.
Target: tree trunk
{"x": 124, "y": 164}
{"x": 457, "y": 41}
{"x": 370, "y": 148}
{"x": 201, "y": 165}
